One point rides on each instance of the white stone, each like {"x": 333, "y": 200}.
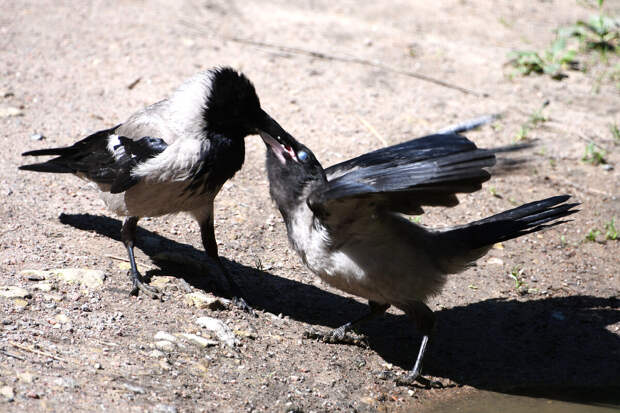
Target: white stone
{"x": 199, "y": 341}
{"x": 10, "y": 291}
{"x": 221, "y": 330}
{"x": 162, "y": 335}
{"x": 164, "y": 345}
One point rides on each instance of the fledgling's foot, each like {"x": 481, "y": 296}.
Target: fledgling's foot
{"x": 240, "y": 303}
{"x": 336, "y": 336}
{"x": 138, "y": 286}
{"x": 411, "y": 379}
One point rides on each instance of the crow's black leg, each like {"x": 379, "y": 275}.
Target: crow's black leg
{"x": 207, "y": 231}
{"x": 425, "y": 321}
{"x": 338, "y": 335}
{"x": 128, "y": 236}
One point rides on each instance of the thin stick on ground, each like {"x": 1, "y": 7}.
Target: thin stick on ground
{"x": 372, "y": 129}
{"x": 352, "y": 59}
{"x": 470, "y": 124}
{"x": 117, "y": 258}
{"x": 15, "y": 356}
{"x": 339, "y": 58}
{"x": 35, "y": 351}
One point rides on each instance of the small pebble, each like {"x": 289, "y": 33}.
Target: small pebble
{"x": 164, "y": 408}
{"x": 162, "y": 335}
{"x": 156, "y": 354}
{"x": 164, "y": 345}
{"x": 10, "y": 291}
{"x": 199, "y": 341}
{"x": 8, "y": 393}
{"x": 134, "y": 388}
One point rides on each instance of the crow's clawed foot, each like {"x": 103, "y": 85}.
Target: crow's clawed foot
{"x": 411, "y": 380}
{"x": 138, "y": 286}
{"x": 336, "y": 336}
{"x": 240, "y": 303}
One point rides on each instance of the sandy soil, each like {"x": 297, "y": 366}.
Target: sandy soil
{"x": 66, "y": 69}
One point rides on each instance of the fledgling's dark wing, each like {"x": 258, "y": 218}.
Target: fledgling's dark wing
{"x": 101, "y": 157}
{"x": 418, "y": 149}
{"x": 405, "y": 177}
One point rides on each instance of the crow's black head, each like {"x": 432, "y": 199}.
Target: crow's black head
{"x": 233, "y": 108}
{"x": 293, "y": 172}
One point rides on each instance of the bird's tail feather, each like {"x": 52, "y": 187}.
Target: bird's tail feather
{"x": 47, "y": 167}
{"x": 471, "y": 241}
{"x": 519, "y": 221}
{"x": 56, "y": 165}
{"x": 50, "y": 151}
{"x": 82, "y": 156}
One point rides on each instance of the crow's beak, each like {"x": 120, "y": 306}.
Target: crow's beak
{"x": 276, "y": 138}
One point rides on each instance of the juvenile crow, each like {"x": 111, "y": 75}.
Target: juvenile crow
{"x": 171, "y": 156}
{"x": 346, "y": 224}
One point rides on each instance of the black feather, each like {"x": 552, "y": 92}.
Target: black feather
{"x": 224, "y": 159}
{"x": 88, "y": 156}
{"x": 404, "y": 177}
{"x": 427, "y": 147}
{"x": 514, "y": 223}
{"x": 92, "y": 158}
{"x": 134, "y": 153}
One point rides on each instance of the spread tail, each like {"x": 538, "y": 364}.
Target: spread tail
{"x": 473, "y": 240}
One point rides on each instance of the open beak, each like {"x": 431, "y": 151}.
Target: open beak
{"x": 276, "y": 138}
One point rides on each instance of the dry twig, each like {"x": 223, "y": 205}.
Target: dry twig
{"x": 35, "y": 351}
{"x": 336, "y": 58}
{"x": 352, "y": 59}
{"x": 372, "y": 129}
{"x": 139, "y": 264}
{"x": 15, "y": 356}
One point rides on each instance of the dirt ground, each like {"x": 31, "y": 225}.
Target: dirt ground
{"x": 70, "y": 68}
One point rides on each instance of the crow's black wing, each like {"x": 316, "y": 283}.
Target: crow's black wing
{"x": 405, "y": 177}
{"x": 92, "y": 158}
{"x": 133, "y": 153}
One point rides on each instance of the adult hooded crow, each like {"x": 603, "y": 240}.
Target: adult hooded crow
{"x": 171, "y": 156}
{"x": 346, "y": 224}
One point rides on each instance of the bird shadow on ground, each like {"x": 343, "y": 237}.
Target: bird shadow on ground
{"x": 558, "y": 347}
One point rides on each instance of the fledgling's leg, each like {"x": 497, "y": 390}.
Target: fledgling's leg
{"x": 128, "y": 236}
{"x": 207, "y": 232}
{"x": 338, "y": 334}
{"x": 425, "y": 322}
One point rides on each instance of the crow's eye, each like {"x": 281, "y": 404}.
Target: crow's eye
{"x": 302, "y": 156}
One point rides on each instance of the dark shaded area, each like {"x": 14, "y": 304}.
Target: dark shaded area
{"x": 555, "y": 347}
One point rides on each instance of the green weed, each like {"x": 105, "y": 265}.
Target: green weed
{"x": 594, "y": 155}
{"x": 593, "y": 234}
{"x": 535, "y": 119}
{"x": 611, "y": 231}
{"x": 615, "y": 132}
{"x": 517, "y": 275}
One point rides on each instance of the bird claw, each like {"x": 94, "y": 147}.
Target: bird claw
{"x": 240, "y": 303}
{"x": 337, "y": 335}
{"x": 138, "y": 286}
{"x": 412, "y": 378}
